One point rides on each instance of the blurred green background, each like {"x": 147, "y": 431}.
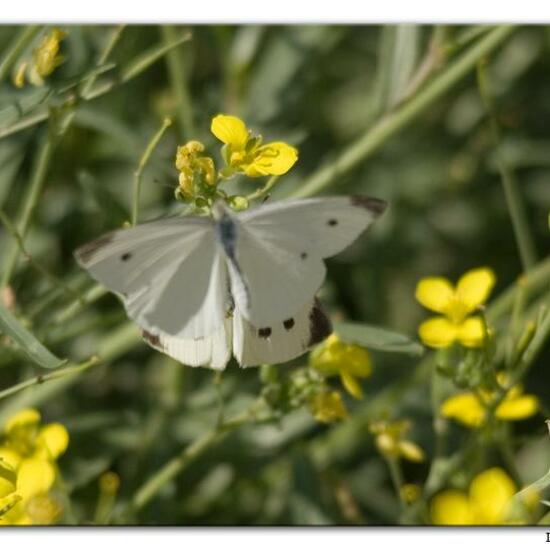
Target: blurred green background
{"x": 322, "y": 89}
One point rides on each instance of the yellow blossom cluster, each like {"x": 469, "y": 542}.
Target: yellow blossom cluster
{"x": 391, "y": 442}
{"x": 242, "y": 152}
{"x": 333, "y": 357}
{"x": 470, "y": 408}
{"x": 44, "y": 60}
{"x": 28, "y": 470}
{"x": 489, "y": 501}
{"x": 456, "y": 305}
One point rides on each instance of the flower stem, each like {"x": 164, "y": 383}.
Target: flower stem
{"x": 42, "y": 162}
{"x": 178, "y": 80}
{"x": 262, "y": 191}
{"x": 174, "y": 466}
{"x": 397, "y": 119}
{"x": 23, "y": 39}
{"x": 514, "y": 200}
{"x": 151, "y": 146}
{"x": 40, "y": 379}
{"x": 397, "y": 479}
{"x": 56, "y": 281}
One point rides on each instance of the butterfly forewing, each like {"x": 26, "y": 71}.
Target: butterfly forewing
{"x": 169, "y": 272}
{"x": 280, "y": 251}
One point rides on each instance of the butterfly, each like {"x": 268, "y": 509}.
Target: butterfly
{"x": 204, "y": 288}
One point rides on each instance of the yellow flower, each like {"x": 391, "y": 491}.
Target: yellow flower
{"x": 31, "y": 450}
{"x": 194, "y": 169}
{"x": 488, "y": 502}
{"x": 391, "y": 443}
{"x": 244, "y": 152}
{"x": 328, "y": 407}
{"x": 349, "y": 361}
{"x": 456, "y": 305}
{"x": 469, "y": 408}
{"x": 45, "y": 59}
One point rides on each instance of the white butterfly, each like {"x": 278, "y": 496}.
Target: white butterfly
{"x": 202, "y": 288}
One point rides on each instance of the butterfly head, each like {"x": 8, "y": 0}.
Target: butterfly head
{"x": 220, "y": 210}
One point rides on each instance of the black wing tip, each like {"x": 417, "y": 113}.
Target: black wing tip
{"x": 86, "y": 252}
{"x": 320, "y": 326}
{"x": 376, "y": 206}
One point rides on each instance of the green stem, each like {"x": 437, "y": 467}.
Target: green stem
{"x": 537, "y": 486}
{"x": 514, "y": 201}
{"x": 41, "y": 167}
{"x": 135, "y": 69}
{"x": 259, "y": 193}
{"x": 396, "y": 120}
{"x": 40, "y": 379}
{"x": 174, "y": 467}
{"x": 101, "y": 60}
{"x": 178, "y": 80}
{"x": 151, "y": 146}
{"x": 397, "y": 479}
{"x": 42, "y": 163}
{"x": 56, "y": 281}
{"x": 24, "y": 38}
{"x": 533, "y": 281}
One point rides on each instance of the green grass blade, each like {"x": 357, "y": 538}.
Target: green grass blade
{"x": 11, "y": 327}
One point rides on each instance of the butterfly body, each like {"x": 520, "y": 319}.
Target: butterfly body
{"x": 203, "y": 288}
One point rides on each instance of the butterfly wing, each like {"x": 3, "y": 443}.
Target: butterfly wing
{"x": 170, "y": 274}
{"x": 213, "y": 351}
{"x": 282, "y": 341}
{"x": 280, "y": 250}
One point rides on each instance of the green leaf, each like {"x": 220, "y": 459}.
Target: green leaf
{"x": 147, "y": 58}
{"x": 11, "y": 327}
{"x": 377, "y": 338}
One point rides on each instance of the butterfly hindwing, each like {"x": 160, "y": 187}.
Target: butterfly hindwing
{"x": 281, "y": 341}
{"x": 213, "y": 351}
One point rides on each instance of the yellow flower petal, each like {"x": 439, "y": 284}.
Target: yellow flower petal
{"x": 272, "y": 159}
{"x": 411, "y": 451}
{"x": 490, "y": 494}
{"x": 437, "y": 332}
{"x": 12, "y": 457}
{"x": 351, "y": 384}
{"x": 451, "y": 508}
{"x": 517, "y": 408}
{"x": 471, "y": 332}
{"x": 8, "y": 479}
{"x": 474, "y": 287}
{"x": 23, "y": 418}
{"x": 230, "y": 130}
{"x": 465, "y": 408}
{"x": 328, "y": 407}
{"x": 35, "y": 476}
{"x": 434, "y": 293}
{"x": 54, "y": 439}
{"x": 358, "y": 361}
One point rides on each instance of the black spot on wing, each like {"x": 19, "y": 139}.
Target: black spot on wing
{"x": 152, "y": 339}
{"x": 303, "y": 255}
{"x": 126, "y": 256}
{"x": 288, "y": 324}
{"x": 376, "y": 206}
{"x": 85, "y": 253}
{"x": 264, "y": 332}
{"x": 319, "y": 324}
{"x": 332, "y": 223}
